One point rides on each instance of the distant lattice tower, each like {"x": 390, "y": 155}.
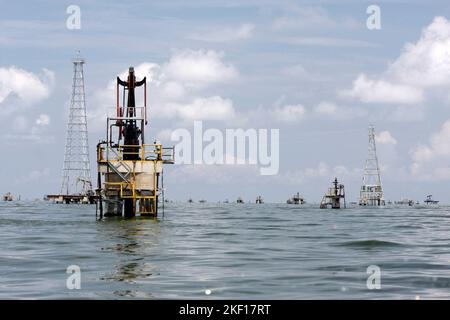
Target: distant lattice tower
{"x": 371, "y": 193}
{"x": 76, "y": 175}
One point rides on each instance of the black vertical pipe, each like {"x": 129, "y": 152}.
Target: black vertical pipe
{"x": 99, "y": 183}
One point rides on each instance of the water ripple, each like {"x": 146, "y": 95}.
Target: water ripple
{"x": 244, "y": 251}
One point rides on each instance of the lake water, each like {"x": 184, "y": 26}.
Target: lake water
{"x": 224, "y": 251}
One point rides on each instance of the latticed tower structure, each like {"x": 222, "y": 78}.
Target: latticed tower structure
{"x": 371, "y": 193}
{"x": 76, "y": 175}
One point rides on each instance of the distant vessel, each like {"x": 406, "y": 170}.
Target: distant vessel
{"x": 371, "y": 193}
{"x": 8, "y": 197}
{"x": 240, "y": 200}
{"x": 333, "y": 197}
{"x": 296, "y": 199}
{"x": 405, "y": 202}
{"x": 259, "y": 200}
{"x": 429, "y": 200}
{"x": 226, "y": 201}
{"x": 202, "y": 201}
{"x": 190, "y": 201}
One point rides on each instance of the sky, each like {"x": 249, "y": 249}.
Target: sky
{"x": 313, "y": 70}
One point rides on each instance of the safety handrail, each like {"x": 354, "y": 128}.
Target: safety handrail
{"x": 145, "y": 152}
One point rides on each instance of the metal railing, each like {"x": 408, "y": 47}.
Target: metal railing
{"x": 145, "y": 152}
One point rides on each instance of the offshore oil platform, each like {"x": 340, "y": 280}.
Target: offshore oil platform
{"x": 8, "y": 197}
{"x": 371, "y": 193}
{"x": 259, "y": 200}
{"x": 332, "y": 199}
{"x": 296, "y": 199}
{"x": 130, "y": 172}
{"x": 430, "y": 201}
{"x": 76, "y": 185}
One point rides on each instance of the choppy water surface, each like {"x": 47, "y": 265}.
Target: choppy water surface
{"x": 245, "y": 251}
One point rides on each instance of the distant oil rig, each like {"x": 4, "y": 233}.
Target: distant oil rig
{"x": 371, "y": 193}
{"x": 430, "y": 201}
{"x": 296, "y": 199}
{"x": 129, "y": 171}
{"x": 332, "y": 199}
{"x": 8, "y": 197}
{"x": 76, "y": 185}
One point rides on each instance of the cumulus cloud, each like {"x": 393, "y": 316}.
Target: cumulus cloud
{"x": 23, "y": 87}
{"x": 382, "y": 91}
{"x": 385, "y": 137}
{"x": 332, "y": 110}
{"x": 326, "y": 108}
{"x": 36, "y": 133}
{"x": 210, "y": 108}
{"x": 439, "y": 146}
{"x": 293, "y": 113}
{"x": 426, "y": 63}
{"x": 19, "y": 90}
{"x": 215, "y": 174}
{"x": 178, "y": 88}
{"x": 289, "y": 113}
{"x": 297, "y": 70}
{"x": 199, "y": 68}
{"x": 43, "y": 120}
{"x": 300, "y": 16}
{"x": 321, "y": 171}
{"x": 422, "y": 65}
{"x": 427, "y": 159}
{"x": 225, "y": 34}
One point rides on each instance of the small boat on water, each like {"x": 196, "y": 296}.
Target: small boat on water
{"x": 202, "y": 201}
{"x": 240, "y": 200}
{"x": 429, "y": 200}
{"x": 259, "y": 200}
